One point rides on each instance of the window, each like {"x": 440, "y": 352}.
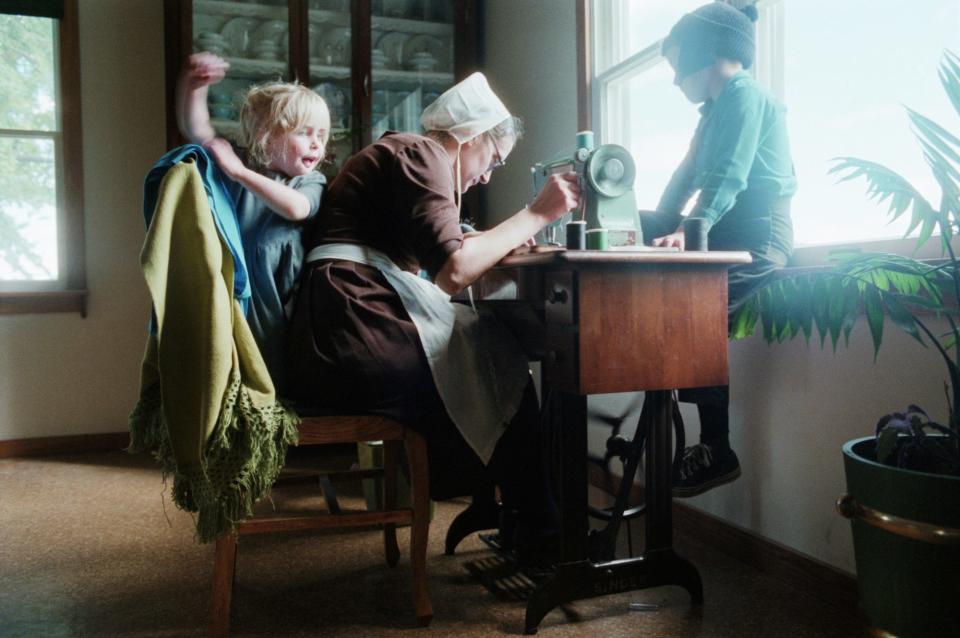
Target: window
{"x": 844, "y": 69}
{"x": 41, "y": 229}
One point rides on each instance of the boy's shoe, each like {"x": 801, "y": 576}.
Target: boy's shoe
{"x": 704, "y": 467}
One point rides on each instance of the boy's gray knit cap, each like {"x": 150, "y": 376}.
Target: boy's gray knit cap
{"x": 711, "y": 31}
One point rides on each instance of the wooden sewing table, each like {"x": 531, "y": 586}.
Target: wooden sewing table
{"x": 605, "y": 322}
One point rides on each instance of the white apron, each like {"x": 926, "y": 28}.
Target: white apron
{"x": 477, "y": 365}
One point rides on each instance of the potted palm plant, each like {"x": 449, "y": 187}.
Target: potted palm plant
{"x": 903, "y": 483}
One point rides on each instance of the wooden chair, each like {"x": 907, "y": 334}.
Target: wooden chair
{"x": 346, "y": 429}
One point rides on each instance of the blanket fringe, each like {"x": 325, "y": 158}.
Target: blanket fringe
{"x": 241, "y": 460}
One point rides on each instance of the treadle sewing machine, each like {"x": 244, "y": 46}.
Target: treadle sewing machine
{"x": 614, "y": 321}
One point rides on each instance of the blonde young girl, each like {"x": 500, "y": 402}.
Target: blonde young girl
{"x": 284, "y": 131}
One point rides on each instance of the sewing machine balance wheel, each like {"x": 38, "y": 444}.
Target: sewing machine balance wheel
{"x": 610, "y": 170}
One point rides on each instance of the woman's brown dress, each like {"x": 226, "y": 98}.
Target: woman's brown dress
{"x": 353, "y": 348}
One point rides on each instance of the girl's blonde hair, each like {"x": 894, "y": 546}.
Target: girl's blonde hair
{"x": 277, "y": 108}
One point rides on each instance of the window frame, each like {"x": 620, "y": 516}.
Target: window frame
{"x": 67, "y": 293}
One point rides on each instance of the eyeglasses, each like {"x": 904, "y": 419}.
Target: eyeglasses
{"x": 498, "y": 160}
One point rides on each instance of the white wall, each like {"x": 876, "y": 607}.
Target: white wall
{"x": 793, "y": 406}
{"x": 531, "y": 62}
{"x": 61, "y": 374}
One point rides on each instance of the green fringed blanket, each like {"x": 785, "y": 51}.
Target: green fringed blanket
{"x": 207, "y": 410}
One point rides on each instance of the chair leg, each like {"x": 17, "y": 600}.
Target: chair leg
{"x": 420, "y": 526}
{"x": 390, "y": 546}
{"x": 224, "y": 568}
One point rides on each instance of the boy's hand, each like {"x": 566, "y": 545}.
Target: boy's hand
{"x": 225, "y": 157}
{"x": 204, "y": 69}
{"x": 673, "y": 240}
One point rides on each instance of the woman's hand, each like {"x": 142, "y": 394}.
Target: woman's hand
{"x": 225, "y": 157}
{"x": 672, "y": 240}
{"x": 561, "y": 193}
{"x": 204, "y": 69}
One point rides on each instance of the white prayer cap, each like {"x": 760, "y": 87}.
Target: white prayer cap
{"x": 465, "y": 110}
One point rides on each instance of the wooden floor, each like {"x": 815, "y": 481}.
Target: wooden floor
{"x": 90, "y": 545}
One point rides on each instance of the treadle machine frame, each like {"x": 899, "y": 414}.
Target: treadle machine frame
{"x": 605, "y": 322}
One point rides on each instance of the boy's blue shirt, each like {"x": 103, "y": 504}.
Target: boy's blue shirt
{"x": 740, "y": 144}
{"x": 221, "y": 205}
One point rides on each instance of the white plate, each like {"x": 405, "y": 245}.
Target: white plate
{"x": 393, "y": 43}
{"x": 270, "y": 31}
{"x": 237, "y": 33}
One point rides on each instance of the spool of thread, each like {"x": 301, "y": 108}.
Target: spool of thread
{"x": 695, "y": 233}
{"x": 598, "y": 239}
{"x": 576, "y": 235}
{"x": 585, "y": 140}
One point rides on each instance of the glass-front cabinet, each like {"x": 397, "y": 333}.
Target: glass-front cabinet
{"x": 377, "y": 63}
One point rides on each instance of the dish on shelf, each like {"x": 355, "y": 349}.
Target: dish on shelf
{"x": 378, "y": 59}
{"x": 423, "y": 43}
{"x": 219, "y": 96}
{"x": 223, "y": 111}
{"x": 266, "y": 50}
{"x": 333, "y": 48}
{"x": 269, "y": 31}
{"x": 422, "y": 61}
{"x": 393, "y": 43}
{"x": 237, "y": 32}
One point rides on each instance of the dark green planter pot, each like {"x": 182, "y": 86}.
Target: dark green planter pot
{"x": 908, "y": 587}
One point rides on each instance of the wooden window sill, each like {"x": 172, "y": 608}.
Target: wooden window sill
{"x": 22, "y": 303}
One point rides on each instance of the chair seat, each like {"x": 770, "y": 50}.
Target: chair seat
{"x": 334, "y": 429}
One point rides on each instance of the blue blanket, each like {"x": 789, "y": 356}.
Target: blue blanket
{"x": 221, "y": 204}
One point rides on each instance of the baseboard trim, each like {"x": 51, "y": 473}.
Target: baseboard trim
{"x": 803, "y": 572}
{"x": 50, "y": 445}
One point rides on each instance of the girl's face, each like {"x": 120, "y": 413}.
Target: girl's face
{"x": 480, "y": 156}
{"x": 695, "y": 86}
{"x": 297, "y": 152}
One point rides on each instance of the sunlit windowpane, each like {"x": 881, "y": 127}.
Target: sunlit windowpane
{"x": 847, "y": 80}
{"x": 28, "y": 209}
{"x": 28, "y": 98}
{"x": 647, "y": 114}
{"x": 625, "y": 27}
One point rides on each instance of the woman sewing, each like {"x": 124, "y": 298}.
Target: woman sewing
{"x": 369, "y": 334}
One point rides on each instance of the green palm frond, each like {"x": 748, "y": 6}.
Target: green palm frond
{"x": 949, "y": 73}
{"x": 878, "y": 285}
{"x": 884, "y": 184}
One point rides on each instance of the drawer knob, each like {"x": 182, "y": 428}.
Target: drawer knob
{"x": 558, "y": 295}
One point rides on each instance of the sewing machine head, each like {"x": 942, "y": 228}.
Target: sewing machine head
{"x": 606, "y": 175}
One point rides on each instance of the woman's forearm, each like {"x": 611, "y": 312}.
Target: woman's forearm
{"x": 479, "y": 253}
